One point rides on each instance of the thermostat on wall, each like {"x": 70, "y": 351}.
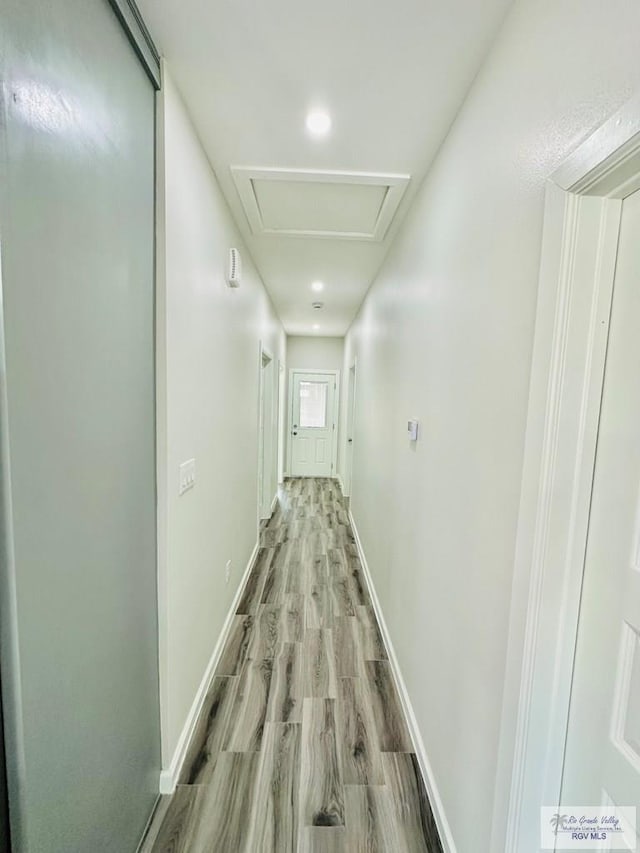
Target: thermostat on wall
{"x": 412, "y": 429}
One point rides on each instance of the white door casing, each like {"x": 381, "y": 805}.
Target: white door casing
{"x": 581, "y": 227}
{"x": 313, "y": 400}
{"x": 267, "y": 451}
{"x": 349, "y": 438}
{"x": 602, "y": 758}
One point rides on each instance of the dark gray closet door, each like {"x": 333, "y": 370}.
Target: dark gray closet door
{"x": 77, "y": 231}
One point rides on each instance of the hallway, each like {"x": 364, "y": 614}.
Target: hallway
{"x": 302, "y": 743}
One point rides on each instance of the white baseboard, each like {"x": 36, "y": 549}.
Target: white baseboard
{"x": 435, "y": 800}
{"x": 170, "y": 775}
{"x": 341, "y": 484}
{"x": 274, "y": 504}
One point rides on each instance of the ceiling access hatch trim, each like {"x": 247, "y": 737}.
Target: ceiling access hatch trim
{"x": 378, "y": 208}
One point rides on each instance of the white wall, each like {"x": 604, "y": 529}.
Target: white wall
{"x": 445, "y": 335}
{"x": 313, "y": 353}
{"x": 208, "y": 369}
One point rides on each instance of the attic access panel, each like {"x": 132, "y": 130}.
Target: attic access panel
{"x": 336, "y": 205}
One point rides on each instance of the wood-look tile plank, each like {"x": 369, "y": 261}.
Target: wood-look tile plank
{"x": 317, "y": 570}
{"x": 319, "y": 664}
{"x": 276, "y": 580}
{"x": 266, "y": 637}
{"x": 178, "y": 828}
{"x": 202, "y": 818}
{"x": 415, "y": 821}
{"x": 293, "y": 615}
{"x": 275, "y": 814}
{"x": 210, "y": 731}
{"x": 153, "y": 830}
{"x": 371, "y": 823}
{"x": 319, "y": 607}
{"x": 357, "y": 737}
{"x": 372, "y": 644}
{"x": 347, "y": 633}
{"x": 357, "y": 586}
{"x": 336, "y": 562}
{"x": 366, "y": 615}
{"x": 286, "y": 692}
{"x": 246, "y": 725}
{"x": 341, "y": 600}
{"x": 235, "y": 650}
{"x": 387, "y": 711}
{"x": 296, "y": 578}
{"x": 321, "y": 787}
{"x": 255, "y": 584}
{"x": 323, "y": 839}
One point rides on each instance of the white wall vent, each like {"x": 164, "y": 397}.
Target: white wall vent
{"x": 235, "y": 268}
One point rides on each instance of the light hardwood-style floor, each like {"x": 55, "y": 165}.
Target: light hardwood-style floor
{"x": 301, "y": 746}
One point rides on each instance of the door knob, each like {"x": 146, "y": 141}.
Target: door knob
{"x": 294, "y": 433}
{"x": 350, "y": 440}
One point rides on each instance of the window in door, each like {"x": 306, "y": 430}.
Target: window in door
{"x": 313, "y": 405}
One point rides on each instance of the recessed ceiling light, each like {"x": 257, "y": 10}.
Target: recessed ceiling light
{"x": 318, "y": 122}
{"x": 315, "y": 327}
{"x": 317, "y": 286}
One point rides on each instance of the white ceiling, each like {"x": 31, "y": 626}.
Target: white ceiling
{"x": 392, "y": 75}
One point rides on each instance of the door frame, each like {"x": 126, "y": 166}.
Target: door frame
{"x": 267, "y": 432}
{"x": 336, "y": 414}
{"x": 582, "y": 215}
{"x": 350, "y": 420}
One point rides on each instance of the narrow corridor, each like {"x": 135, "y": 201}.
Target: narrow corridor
{"x": 302, "y": 744}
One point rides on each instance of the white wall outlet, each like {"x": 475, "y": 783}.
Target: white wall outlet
{"x": 227, "y": 571}
{"x": 412, "y": 430}
{"x": 187, "y": 476}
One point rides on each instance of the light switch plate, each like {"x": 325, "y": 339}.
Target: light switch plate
{"x": 187, "y": 476}
{"x": 412, "y": 430}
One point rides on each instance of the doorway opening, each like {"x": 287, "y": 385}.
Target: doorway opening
{"x": 313, "y": 419}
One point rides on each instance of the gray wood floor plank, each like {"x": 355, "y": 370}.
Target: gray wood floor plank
{"x": 358, "y": 587}
{"x": 293, "y": 618}
{"x": 210, "y": 731}
{"x": 275, "y": 814}
{"x": 180, "y": 823}
{"x": 319, "y": 607}
{"x": 387, "y": 711}
{"x": 266, "y": 637}
{"x": 235, "y": 650}
{"x": 372, "y": 826}
{"x": 253, "y": 590}
{"x": 246, "y": 726}
{"x": 357, "y": 738}
{"x": 341, "y": 600}
{"x": 153, "y": 830}
{"x": 286, "y": 693}
{"x": 321, "y": 788}
{"x": 276, "y": 580}
{"x": 319, "y": 665}
{"x": 409, "y": 798}
{"x": 347, "y": 643}
{"x": 202, "y": 818}
{"x": 371, "y": 642}
{"x": 323, "y": 839}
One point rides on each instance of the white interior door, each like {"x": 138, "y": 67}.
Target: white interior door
{"x": 602, "y": 757}
{"x": 313, "y": 421}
